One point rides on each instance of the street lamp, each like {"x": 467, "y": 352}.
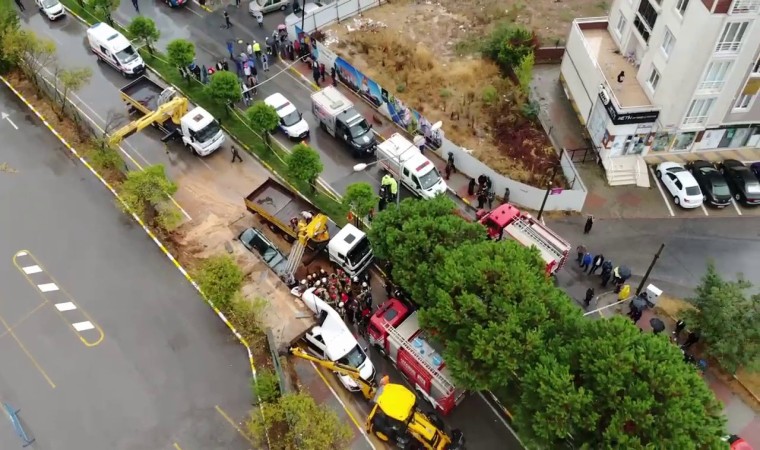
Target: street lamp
{"x": 418, "y": 140}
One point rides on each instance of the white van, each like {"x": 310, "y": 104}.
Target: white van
{"x": 112, "y": 47}
{"x": 331, "y": 339}
{"x": 418, "y": 173}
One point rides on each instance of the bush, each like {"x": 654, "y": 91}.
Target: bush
{"x": 266, "y": 387}
{"x": 106, "y": 158}
{"x": 145, "y": 191}
{"x": 508, "y": 44}
{"x": 220, "y": 279}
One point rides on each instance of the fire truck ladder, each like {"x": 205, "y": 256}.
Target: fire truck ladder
{"x": 437, "y": 376}
{"x": 525, "y": 227}
{"x": 294, "y": 259}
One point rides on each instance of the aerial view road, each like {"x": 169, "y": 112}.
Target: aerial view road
{"x": 103, "y": 342}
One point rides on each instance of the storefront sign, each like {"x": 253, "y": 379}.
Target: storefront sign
{"x": 619, "y": 118}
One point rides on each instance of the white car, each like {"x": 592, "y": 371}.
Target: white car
{"x": 51, "y": 8}
{"x": 681, "y": 185}
{"x": 291, "y": 120}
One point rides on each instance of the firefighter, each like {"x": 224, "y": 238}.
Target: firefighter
{"x": 309, "y": 281}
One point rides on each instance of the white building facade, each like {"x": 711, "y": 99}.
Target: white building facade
{"x": 660, "y": 76}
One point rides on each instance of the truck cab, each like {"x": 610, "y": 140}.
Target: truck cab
{"x": 201, "y": 133}
{"x": 418, "y": 173}
{"x": 337, "y": 116}
{"x": 351, "y": 250}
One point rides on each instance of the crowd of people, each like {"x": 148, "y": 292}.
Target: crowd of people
{"x": 350, "y": 297}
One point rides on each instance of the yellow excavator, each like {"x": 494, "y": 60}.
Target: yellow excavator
{"x": 314, "y": 228}
{"x": 395, "y": 418}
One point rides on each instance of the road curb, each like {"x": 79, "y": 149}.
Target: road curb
{"x": 137, "y": 219}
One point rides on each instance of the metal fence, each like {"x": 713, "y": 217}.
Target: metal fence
{"x": 568, "y": 157}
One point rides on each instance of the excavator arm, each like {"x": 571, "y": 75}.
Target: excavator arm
{"x": 368, "y": 389}
{"x": 174, "y": 109}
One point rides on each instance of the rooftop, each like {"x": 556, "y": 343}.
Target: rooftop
{"x": 611, "y": 61}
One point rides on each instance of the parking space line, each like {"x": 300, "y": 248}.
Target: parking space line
{"x": 234, "y": 425}
{"x": 52, "y": 293}
{"x": 176, "y": 446}
{"x": 36, "y": 365}
{"x": 23, "y": 319}
{"x": 662, "y": 193}
{"x": 736, "y": 207}
{"x": 704, "y": 210}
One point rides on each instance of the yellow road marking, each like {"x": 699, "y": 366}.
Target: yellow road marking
{"x": 234, "y": 425}
{"x": 30, "y": 255}
{"x": 345, "y": 408}
{"x": 22, "y": 320}
{"x": 26, "y": 352}
{"x": 177, "y": 446}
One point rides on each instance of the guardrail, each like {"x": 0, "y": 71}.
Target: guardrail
{"x": 18, "y": 427}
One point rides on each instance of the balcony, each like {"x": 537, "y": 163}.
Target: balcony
{"x": 745, "y": 7}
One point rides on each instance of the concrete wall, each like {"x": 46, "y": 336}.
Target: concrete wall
{"x": 329, "y": 14}
{"x": 522, "y": 194}
{"x": 549, "y": 55}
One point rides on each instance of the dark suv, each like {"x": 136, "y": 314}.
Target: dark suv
{"x": 741, "y": 180}
{"x": 711, "y": 182}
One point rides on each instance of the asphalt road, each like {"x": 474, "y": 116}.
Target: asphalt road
{"x": 151, "y": 361}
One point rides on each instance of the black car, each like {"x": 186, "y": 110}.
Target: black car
{"x": 713, "y": 185}
{"x": 257, "y": 243}
{"x": 743, "y": 183}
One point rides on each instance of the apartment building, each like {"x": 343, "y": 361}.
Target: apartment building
{"x": 658, "y": 77}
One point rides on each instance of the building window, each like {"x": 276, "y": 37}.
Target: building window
{"x": 744, "y": 101}
{"x": 667, "y": 43}
{"x": 745, "y": 6}
{"x": 621, "y": 25}
{"x": 646, "y": 17}
{"x": 699, "y": 111}
{"x": 681, "y": 6}
{"x": 654, "y": 79}
{"x": 715, "y": 75}
{"x": 731, "y": 38}
{"x": 756, "y": 68}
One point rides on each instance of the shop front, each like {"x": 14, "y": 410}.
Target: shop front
{"x": 618, "y": 131}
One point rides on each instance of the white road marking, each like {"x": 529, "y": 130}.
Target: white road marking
{"x": 704, "y": 210}
{"x": 194, "y": 12}
{"x": 83, "y": 326}
{"x": 32, "y": 269}
{"x": 501, "y": 419}
{"x": 659, "y": 188}
{"x": 5, "y": 116}
{"x": 47, "y": 287}
{"x": 736, "y": 207}
{"x": 65, "y": 306}
{"x": 22, "y": 254}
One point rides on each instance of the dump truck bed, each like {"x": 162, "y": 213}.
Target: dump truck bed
{"x": 142, "y": 94}
{"x": 278, "y": 204}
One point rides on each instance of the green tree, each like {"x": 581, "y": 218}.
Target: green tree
{"x": 297, "y": 421}
{"x": 360, "y": 198}
{"x": 508, "y": 44}
{"x": 71, "y": 81}
{"x": 220, "y": 279}
{"x": 611, "y": 386}
{"x": 303, "y": 164}
{"x": 144, "y": 29}
{"x": 266, "y": 387}
{"x": 146, "y": 191}
{"x": 524, "y": 71}
{"x": 35, "y": 53}
{"x": 181, "y": 53}
{"x": 262, "y": 118}
{"x": 727, "y": 320}
{"x": 105, "y": 7}
{"x": 10, "y": 39}
{"x": 224, "y": 88}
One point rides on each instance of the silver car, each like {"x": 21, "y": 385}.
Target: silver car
{"x": 257, "y": 7}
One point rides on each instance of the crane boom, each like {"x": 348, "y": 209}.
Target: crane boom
{"x": 173, "y": 109}
{"x": 315, "y": 229}
{"x": 368, "y": 389}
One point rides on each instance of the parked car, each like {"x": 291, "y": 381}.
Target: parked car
{"x": 681, "y": 185}
{"x": 737, "y": 443}
{"x": 175, "y": 3}
{"x": 743, "y": 183}
{"x": 714, "y": 187}
{"x": 255, "y": 241}
{"x": 52, "y": 9}
{"x": 292, "y": 122}
{"x": 257, "y": 7}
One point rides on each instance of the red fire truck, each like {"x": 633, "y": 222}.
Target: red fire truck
{"x": 395, "y": 330}
{"x": 506, "y": 221}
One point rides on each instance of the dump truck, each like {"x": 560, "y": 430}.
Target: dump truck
{"x": 508, "y": 222}
{"x": 395, "y": 331}
{"x": 170, "y": 112}
{"x": 299, "y": 222}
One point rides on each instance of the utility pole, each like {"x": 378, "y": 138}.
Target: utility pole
{"x": 649, "y": 269}
{"x": 303, "y": 19}
{"x": 550, "y": 184}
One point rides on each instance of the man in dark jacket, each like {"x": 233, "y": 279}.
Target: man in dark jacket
{"x": 596, "y": 264}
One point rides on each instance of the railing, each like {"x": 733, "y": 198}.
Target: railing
{"x": 728, "y": 47}
{"x": 711, "y": 85}
{"x": 18, "y": 427}
{"x": 745, "y": 7}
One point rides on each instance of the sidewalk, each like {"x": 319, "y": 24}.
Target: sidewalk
{"x": 741, "y": 419}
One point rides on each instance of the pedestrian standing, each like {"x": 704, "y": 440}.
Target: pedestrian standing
{"x": 20, "y": 5}
{"x": 589, "y": 297}
{"x": 260, "y": 20}
{"x": 230, "y": 48}
{"x": 691, "y": 339}
{"x": 635, "y": 314}
{"x": 237, "y": 3}
{"x": 606, "y": 272}
{"x": 482, "y": 197}
{"x": 265, "y": 62}
{"x": 588, "y": 258}
{"x": 136, "y": 5}
{"x": 589, "y": 224}
{"x": 257, "y": 49}
{"x": 334, "y": 77}
{"x": 490, "y": 197}
{"x": 505, "y": 200}
{"x": 235, "y": 155}
{"x": 268, "y": 46}
{"x": 227, "y": 23}
{"x": 581, "y": 249}
{"x": 247, "y": 70}
{"x": 596, "y": 264}
{"x": 315, "y": 72}
{"x": 322, "y": 72}
{"x": 243, "y": 57}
